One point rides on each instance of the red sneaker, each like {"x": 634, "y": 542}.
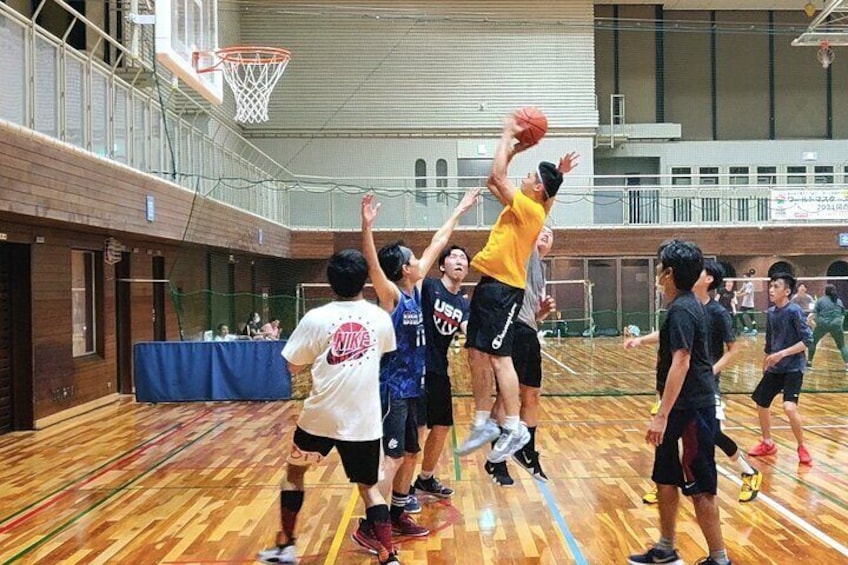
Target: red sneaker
{"x": 366, "y": 539}
{"x": 804, "y": 456}
{"x": 406, "y": 526}
{"x": 762, "y": 449}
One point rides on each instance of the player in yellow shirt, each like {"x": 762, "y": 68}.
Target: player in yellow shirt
{"x": 500, "y": 292}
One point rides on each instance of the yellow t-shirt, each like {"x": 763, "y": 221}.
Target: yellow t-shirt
{"x": 511, "y": 242}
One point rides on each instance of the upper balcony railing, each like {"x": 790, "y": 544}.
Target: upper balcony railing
{"x": 75, "y": 97}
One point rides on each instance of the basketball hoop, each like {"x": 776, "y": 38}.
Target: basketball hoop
{"x": 252, "y": 73}
{"x": 825, "y": 54}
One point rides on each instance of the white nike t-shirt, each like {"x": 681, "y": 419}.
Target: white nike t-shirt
{"x": 343, "y": 341}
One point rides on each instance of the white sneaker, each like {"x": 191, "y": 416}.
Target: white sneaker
{"x": 479, "y": 437}
{"x": 509, "y": 442}
{"x": 279, "y": 554}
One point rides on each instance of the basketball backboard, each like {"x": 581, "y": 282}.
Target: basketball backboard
{"x": 184, "y": 27}
{"x": 830, "y": 25}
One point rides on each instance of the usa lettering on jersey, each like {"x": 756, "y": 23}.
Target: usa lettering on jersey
{"x": 446, "y": 317}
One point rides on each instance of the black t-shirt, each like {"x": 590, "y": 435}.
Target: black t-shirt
{"x": 443, "y": 313}
{"x": 686, "y": 327}
{"x": 721, "y": 330}
{"x": 725, "y": 298}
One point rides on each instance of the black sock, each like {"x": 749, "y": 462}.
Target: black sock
{"x": 396, "y": 509}
{"x": 378, "y": 513}
{"x": 531, "y": 445}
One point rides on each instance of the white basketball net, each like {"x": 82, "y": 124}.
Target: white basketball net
{"x": 825, "y": 54}
{"x": 252, "y": 76}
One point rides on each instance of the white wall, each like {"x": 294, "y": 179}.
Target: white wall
{"x": 427, "y": 67}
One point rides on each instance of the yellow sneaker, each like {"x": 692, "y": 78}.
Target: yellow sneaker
{"x": 750, "y": 486}
{"x": 650, "y": 497}
{"x": 655, "y": 408}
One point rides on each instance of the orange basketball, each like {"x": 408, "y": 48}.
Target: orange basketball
{"x": 533, "y": 124}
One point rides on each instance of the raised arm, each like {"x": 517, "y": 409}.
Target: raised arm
{"x": 387, "y": 292}
{"x": 566, "y": 164}
{"x": 499, "y": 183}
{"x": 442, "y": 236}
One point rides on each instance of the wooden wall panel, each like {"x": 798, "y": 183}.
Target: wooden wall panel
{"x": 47, "y": 181}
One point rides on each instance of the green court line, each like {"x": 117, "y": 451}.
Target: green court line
{"x": 457, "y": 470}
{"x": 117, "y": 490}
{"x": 93, "y": 471}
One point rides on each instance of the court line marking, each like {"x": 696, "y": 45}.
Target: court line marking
{"x": 558, "y": 362}
{"x": 116, "y": 462}
{"x": 791, "y": 516}
{"x": 562, "y": 526}
{"x": 114, "y": 492}
{"x": 336, "y": 545}
{"x": 456, "y": 466}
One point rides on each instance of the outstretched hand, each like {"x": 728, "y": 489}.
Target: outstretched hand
{"x": 568, "y": 162}
{"x": 468, "y": 201}
{"x": 369, "y": 210}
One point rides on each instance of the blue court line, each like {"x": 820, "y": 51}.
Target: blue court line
{"x": 566, "y": 534}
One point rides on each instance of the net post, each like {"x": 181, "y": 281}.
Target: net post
{"x": 590, "y": 299}
{"x": 298, "y": 293}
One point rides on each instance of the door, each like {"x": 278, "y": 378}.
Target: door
{"x": 6, "y": 404}
{"x": 473, "y": 173}
{"x": 123, "y": 322}
{"x": 16, "y": 399}
{"x": 159, "y": 299}
{"x": 604, "y": 275}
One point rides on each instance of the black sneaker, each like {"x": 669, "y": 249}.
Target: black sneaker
{"x": 499, "y": 473}
{"x": 711, "y": 561}
{"x": 529, "y": 461}
{"x": 433, "y": 487}
{"x": 655, "y": 555}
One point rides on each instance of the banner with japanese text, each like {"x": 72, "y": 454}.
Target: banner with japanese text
{"x": 801, "y": 204}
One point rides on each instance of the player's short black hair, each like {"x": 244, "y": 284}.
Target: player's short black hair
{"x": 392, "y": 258}
{"x": 347, "y": 271}
{"x": 716, "y": 271}
{"x": 446, "y": 253}
{"x": 787, "y": 279}
{"x": 685, "y": 260}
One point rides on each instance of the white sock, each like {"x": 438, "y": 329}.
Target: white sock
{"x": 480, "y": 417}
{"x": 425, "y": 476}
{"x": 744, "y": 466}
{"x": 511, "y": 423}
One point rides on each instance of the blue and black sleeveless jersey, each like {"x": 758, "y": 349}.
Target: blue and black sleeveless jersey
{"x": 402, "y": 372}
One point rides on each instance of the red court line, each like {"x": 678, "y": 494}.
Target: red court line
{"x": 47, "y": 503}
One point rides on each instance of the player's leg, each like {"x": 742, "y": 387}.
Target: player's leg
{"x": 361, "y": 462}
{"x": 439, "y": 418}
{"x": 769, "y": 387}
{"x": 483, "y": 428}
{"x": 791, "y": 394}
{"x": 306, "y": 450}
{"x": 402, "y": 523}
{"x": 527, "y": 358}
{"x": 498, "y": 472}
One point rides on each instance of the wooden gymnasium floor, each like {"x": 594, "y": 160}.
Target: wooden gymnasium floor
{"x": 198, "y": 483}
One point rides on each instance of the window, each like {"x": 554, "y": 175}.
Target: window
{"x": 421, "y": 182}
{"x": 738, "y": 176}
{"x": 83, "y": 302}
{"x": 681, "y": 176}
{"x": 796, "y": 175}
{"x": 442, "y": 180}
{"x": 767, "y": 175}
{"x": 824, "y": 175}
{"x": 709, "y": 175}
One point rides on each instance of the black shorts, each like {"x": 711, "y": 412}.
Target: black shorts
{"x": 439, "y": 410}
{"x": 360, "y": 459}
{"x": 772, "y": 383}
{"x": 400, "y": 426}
{"x": 494, "y": 307}
{"x": 527, "y": 356}
{"x": 695, "y": 472}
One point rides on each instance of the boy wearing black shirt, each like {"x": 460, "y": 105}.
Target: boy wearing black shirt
{"x": 686, "y": 384}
